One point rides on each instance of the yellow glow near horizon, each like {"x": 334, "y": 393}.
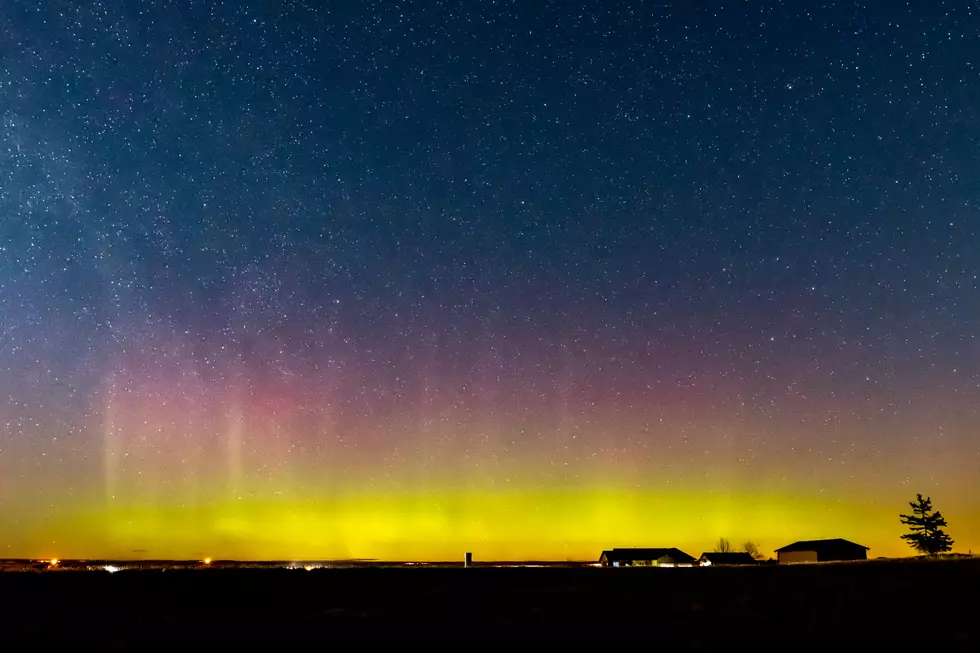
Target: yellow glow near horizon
{"x": 539, "y": 524}
{"x": 297, "y": 486}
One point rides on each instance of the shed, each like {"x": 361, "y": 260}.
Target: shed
{"x": 821, "y": 551}
{"x": 733, "y": 558}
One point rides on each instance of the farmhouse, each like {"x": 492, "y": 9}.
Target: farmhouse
{"x": 646, "y": 558}
{"x": 734, "y": 558}
{"x": 821, "y": 551}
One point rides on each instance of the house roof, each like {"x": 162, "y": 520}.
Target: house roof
{"x": 818, "y": 545}
{"x": 674, "y": 555}
{"x": 733, "y": 558}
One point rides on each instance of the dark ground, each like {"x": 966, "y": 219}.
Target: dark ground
{"x": 855, "y": 606}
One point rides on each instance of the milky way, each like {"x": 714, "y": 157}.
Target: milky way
{"x": 405, "y": 279}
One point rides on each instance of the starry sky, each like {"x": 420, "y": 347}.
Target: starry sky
{"x": 399, "y": 280}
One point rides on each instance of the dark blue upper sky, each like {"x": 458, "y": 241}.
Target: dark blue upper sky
{"x": 772, "y": 191}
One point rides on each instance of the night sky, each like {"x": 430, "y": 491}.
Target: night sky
{"x": 308, "y": 280}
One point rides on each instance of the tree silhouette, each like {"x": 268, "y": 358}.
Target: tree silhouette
{"x": 752, "y": 549}
{"x": 723, "y": 545}
{"x": 927, "y": 535}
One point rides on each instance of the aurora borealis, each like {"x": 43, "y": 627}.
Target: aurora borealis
{"x": 398, "y": 280}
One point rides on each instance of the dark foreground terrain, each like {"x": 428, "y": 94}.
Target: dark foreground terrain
{"x": 869, "y": 606}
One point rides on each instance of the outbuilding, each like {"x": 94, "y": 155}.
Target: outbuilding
{"x": 821, "y": 551}
{"x": 733, "y": 558}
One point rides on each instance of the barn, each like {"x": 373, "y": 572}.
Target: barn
{"x": 821, "y": 551}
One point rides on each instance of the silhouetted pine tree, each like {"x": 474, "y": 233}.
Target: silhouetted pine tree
{"x": 927, "y": 535}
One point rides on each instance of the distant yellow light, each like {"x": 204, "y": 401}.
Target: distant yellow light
{"x": 54, "y": 562}
{"x": 308, "y": 567}
{"x": 207, "y": 561}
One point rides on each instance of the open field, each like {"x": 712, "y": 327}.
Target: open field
{"x": 867, "y": 605}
